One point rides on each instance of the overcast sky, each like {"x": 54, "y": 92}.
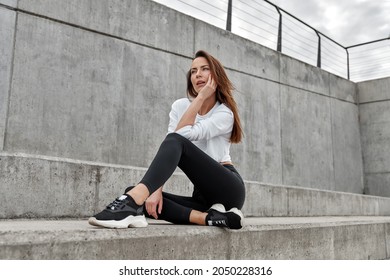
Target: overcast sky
{"x": 348, "y": 22}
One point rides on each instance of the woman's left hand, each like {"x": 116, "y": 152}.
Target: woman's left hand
{"x": 154, "y": 203}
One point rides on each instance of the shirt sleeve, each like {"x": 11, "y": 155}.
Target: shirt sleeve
{"x": 219, "y": 123}
{"x": 173, "y": 119}
{"x": 177, "y": 110}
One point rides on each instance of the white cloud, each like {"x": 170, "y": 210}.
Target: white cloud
{"x": 348, "y": 22}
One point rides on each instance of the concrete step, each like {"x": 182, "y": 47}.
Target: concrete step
{"x": 50, "y": 187}
{"x": 261, "y": 238}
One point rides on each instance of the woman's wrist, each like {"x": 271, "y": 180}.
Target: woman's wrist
{"x": 200, "y": 97}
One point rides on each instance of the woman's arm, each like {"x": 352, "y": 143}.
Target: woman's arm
{"x": 189, "y": 116}
{"x": 219, "y": 123}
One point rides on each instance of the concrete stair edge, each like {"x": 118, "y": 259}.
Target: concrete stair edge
{"x": 261, "y": 238}
{"x": 53, "y": 187}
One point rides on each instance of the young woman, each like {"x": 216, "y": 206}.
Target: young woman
{"x": 200, "y": 132}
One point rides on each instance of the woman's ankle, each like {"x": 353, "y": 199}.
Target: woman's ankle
{"x": 139, "y": 193}
{"x": 197, "y": 217}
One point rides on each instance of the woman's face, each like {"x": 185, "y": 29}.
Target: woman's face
{"x": 200, "y": 72}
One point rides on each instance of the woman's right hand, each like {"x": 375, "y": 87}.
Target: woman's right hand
{"x": 209, "y": 89}
{"x": 154, "y": 203}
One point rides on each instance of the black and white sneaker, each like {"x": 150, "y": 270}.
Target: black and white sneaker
{"x": 123, "y": 212}
{"x": 218, "y": 216}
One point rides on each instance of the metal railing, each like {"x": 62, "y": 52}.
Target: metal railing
{"x": 319, "y": 35}
{"x": 265, "y": 23}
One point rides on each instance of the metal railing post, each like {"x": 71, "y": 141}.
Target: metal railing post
{"x": 347, "y": 63}
{"x": 229, "y": 16}
{"x": 279, "y": 46}
{"x": 319, "y": 50}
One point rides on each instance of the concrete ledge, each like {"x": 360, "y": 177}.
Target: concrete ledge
{"x": 261, "y": 238}
{"x": 343, "y": 89}
{"x": 53, "y": 187}
{"x": 373, "y": 91}
{"x": 303, "y": 76}
{"x": 264, "y": 200}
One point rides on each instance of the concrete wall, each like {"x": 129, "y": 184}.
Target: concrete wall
{"x": 374, "y": 99}
{"x": 94, "y": 80}
{"x": 7, "y": 31}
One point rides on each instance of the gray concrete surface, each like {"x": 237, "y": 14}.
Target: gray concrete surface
{"x": 306, "y": 139}
{"x": 374, "y": 90}
{"x": 264, "y": 200}
{"x": 87, "y": 106}
{"x": 56, "y": 188}
{"x": 347, "y": 151}
{"x": 261, "y": 238}
{"x": 374, "y": 108}
{"x": 342, "y": 89}
{"x": 7, "y": 31}
{"x": 53, "y": 187}
{"x": 9, "y": 3}
{"x": 86, "y": 86}
{"x": 304, "y": 76}
{"x": 112, "y": 107}
{"x": 259, "y": 154}
{"x": 140, "y": 21}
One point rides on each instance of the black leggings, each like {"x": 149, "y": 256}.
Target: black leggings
{"x": 213, "y": 182}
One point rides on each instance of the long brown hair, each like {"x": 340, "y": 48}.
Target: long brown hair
{"x": 224, "y": 92}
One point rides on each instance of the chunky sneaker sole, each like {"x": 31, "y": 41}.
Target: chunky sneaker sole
{"x": 123, "y": 212}
{"x": 128, "y": 222}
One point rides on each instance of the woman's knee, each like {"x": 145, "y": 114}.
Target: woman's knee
{"x": 176, "y": 137}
